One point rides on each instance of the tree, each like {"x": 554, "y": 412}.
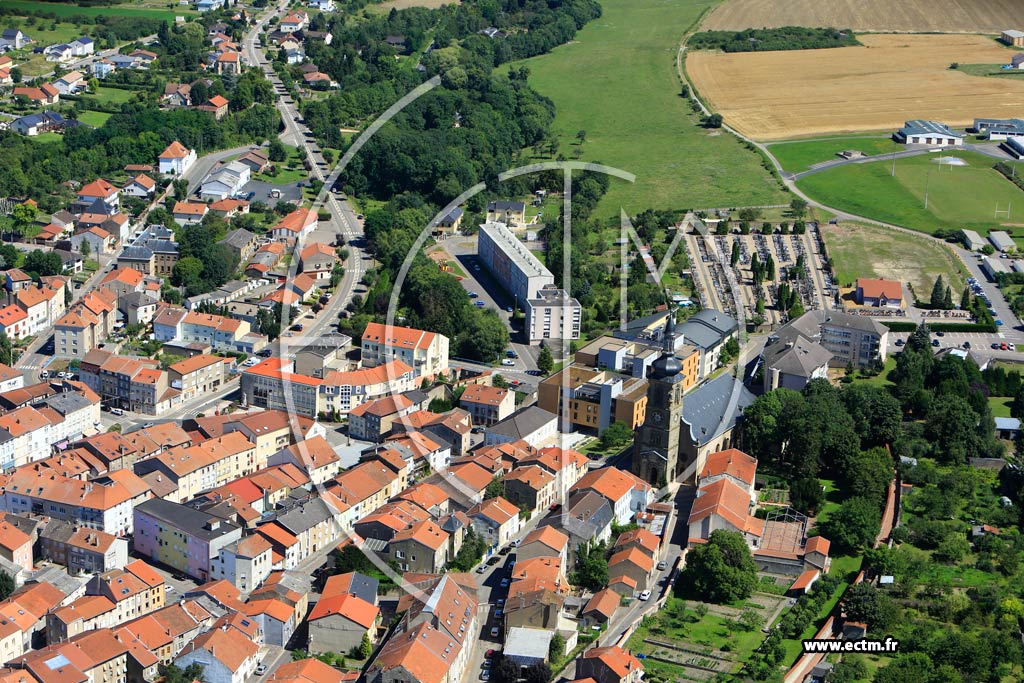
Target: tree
{"x": 495, "y": 489}
{"x": 735, "y": 257}
{"x": 16, "y": 74}
{"x": 868, "y": 475}
{"x": 615, "y": 435}
{"x": 854, "y": 525}
{"x": 806, "y": 495}
{"x": 868, "y": 605}
{"x": 537, "y": 673}
{"x": 722, "y": 570}
{"x": 484, "y": 337}
{"x": 6, "y": 585}
{"x": 505, "y": 671}
{"x": 365, "y": 647}
{"x": 43, "y": 263}
{"x": 798, "y": 207}
{"x": 938, "y": 297}
{"x": 591, "y": 570}
{"x": 6, "y": 350}
{"x": 556, "y": 650}
{"x": 175, "y": 674}
{"x": 952, "y": 549}
{"x": 277, "y": 151}
{"x": 581, "y": 136}
{"x": 24, "y": 216}
{"x": 713, "y": 121}
{"x": 545, "y": 361}
{"x": 85, "y": 249}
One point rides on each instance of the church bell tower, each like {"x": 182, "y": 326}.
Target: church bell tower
{"x": 656, "y": 447}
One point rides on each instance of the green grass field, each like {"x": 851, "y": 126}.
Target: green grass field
{"x": 802, "y": 154}
{"x": 958, "y": 196}
{"x": 111, "y": 96}
{"x": 40, "y": 31}
{"x": 618, "y": 82}
{"x": 1000, "y": 406}
{"x": 864, "y": 250}
{"x": 93, "y": 118}
{"x": 152, "y": 10}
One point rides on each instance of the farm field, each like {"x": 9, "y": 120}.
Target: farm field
{"x": 862, "y": 250}
{"x": 150, "y": 10}
{"x": 800, "y": 155}
{"x": 958, "y": 196}
{"x": 624, "y": 58}
{"x": 877, "y": 86}
{"x": 867, "y": 15}
{"x": 385, "y": 7}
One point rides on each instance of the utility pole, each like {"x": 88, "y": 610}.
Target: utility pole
{"x": 893, "y": 164}
{"x": 927, "y": 177}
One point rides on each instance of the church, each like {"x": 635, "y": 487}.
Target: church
{"x": 656, "y": 446}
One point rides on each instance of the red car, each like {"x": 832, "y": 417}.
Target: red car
{"x": 490, "y": 653}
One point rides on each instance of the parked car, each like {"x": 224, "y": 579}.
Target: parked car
{"x": 935, "y": 342}
{"x": 481, "y": 569}
{"x": 261, "y": 669}
{"x": 899, "y": 342}
{"x": 662, "y": 565}
{"x": 508, "y": 362}
{"x": 504, "y": 582}
{"x": 493, "y": 561}
{"x": 646, "y": 595}
{"x": 479, "y": 304}
{"x": 495, "y": 631}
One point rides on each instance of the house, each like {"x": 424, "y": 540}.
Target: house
{"x": 216, "y": 105}
{"x": 450, "y": 222}
{"x": 181, "y": 537}
{"x": 922, "y": 132}
{"x": 487, "y": 405}
{"x": 422, "y": 547}
{"x": 626, "y": 493}
{"x": 45, "y": 94}
{"x": 545, "y": 541}
{"x": 601, "y": 608}
{"x": 189, "y": 213}
{"x": 609, "y": 665}
{"x": 226, "y": 655}
{"x": 496, "y": 521}
{"x": 140, "y": 186}
{"x": 101, "y": 68}
{"x": 318, "y": 260}
{"x": 633, "y": 563}
{"x": 70, "y": 83}
{"x": 531, "y": 487}
{"x": 510, "y": 213}
{"x": 100, "y": 241}
{"x": 61, "y": 52}
{"x": 372, "y": 420}
{"x": 228, "y": 63}
{"x": 99, "y": 190}
{"x": 14, "y": 322}
{"x": 224, "y": 181}
{"x": 240, "y": 241}
{"x": 177, "y": 95}
{"x": 298, "y": 223}
{"x": 13, "y": 39}
{"x": 296, "y": 21}
{"x": 533, "y": 424}
{"x": 323, "y": 6}
{"x": 229, "y": 208}
{"x": 340, "y": 620}
{"x": 176, "y": 159}
{"x": 83, "y": 46}
{"x": 879, "y": 293}
{"x": 15, "y": 545}
{"x": 1007, "y": 427}
{"x": 43, "y": 122}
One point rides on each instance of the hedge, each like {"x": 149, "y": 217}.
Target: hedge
{"x": 898, "y": 326}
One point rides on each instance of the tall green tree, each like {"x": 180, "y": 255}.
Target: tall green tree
{"x": 722, "y": 570}
{"x": 854, "y": 525}
{"x": 938, "y": 296}
{"x": 545, "y": 361}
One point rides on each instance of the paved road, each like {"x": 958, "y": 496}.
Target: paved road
{"x": 990, "y": 149}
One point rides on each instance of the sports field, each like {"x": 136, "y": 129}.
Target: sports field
{"x": 877, "y": 86}
{"x": 956, "y": 16}
{"x": 958, "y": 196}
{"x": 617, "y": 81}
{"x": 863, "y": 250}
{"x": 148, "y": 9}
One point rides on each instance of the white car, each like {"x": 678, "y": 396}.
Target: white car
{"x": 646, "y": 595}
{"x": 1011, "y": 346}
{"x": 508, "y": 362}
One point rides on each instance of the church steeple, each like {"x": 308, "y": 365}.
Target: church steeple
{"x": 656, "y": 447}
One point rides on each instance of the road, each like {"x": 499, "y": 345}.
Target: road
{"x": 988, "y": 149}
{"x": 344, "y": 220}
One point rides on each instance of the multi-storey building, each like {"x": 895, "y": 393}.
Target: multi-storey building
{"x": 552, "y": 314}
{"x": 515, "y": 268}
{"x": 182, "y": 537}
{"x": 425, "y": 352}
{"x": 593, "y": 399}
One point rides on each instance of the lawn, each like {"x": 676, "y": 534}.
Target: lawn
{"x": 865, "y": 250}
{"x": 47, "y": 137}
{"x": 958, "y": 196}
{"x": 1000, "y": 406}
{"x": 39, "y": 31}
{"x": 149, "y": 10}
{"x": 288, "y": 172}
{"x": 800, "y": 155}
{"x": 882, "y": 378}
{"x": 617, "y": 81}
{"x": 111, "y": 96}
{"x": 93, "y": 118}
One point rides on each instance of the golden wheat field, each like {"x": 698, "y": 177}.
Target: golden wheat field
{"x": 947, "y": 16}
{"x": 877, "y": 86}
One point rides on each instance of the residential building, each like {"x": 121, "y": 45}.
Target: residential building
{"x": 141, "y": 186}
{"x": 509, "y": 213}
{"x": 534, "y": 425}
{"x": 221, "y": 333}
{"x": 44, "y": 95}
{"x": 341, "y": 619}
{"x": 372, "y": 420}
{"x": 531, "y": 487}
{"x": 14, "y": 39}
{"x": 15, "y": 545}
{"x": 246, "y": 563}
{"x": 496, "y": 521}
{"x": 422, "y": 547}
{"x": 189, "y": 213}
{"x": 82, "y": 551}
{"x": 176, "y": 159}
{"x": 425, "y": 352}
{"x": 182, "y": 537}
{"x": 487, "y": 405}
{"x": 226, "y": 655}
{"x": 626, "y": 493}
{"x": 709, "y": 330}
{"x": 318, "y": 260}
{"x": 242, "y": 242}
{"x": 512, "y": 265}
{"x": 552, "y": 314}
{"x": 295, "y": 225}
{"x": 585, "y": 398}
{"x": 70, "y": 83}
{"x": 545, "y": 541}
{"x": 609, "y": 665}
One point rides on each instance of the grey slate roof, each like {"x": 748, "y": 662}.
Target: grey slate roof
{"x": 586, "y": 513}
{"x": 238, "y": 238}
{"x": 924, "y": 127}
{"x": 136, "y": 253}
{"x": 704, "y": 408}
{"x": 68, "y": 403}
{"x": 522, "y": 424}
{"x": 306, "y": 516}
{"x": 506, "y": 206}
{"x": 364, "y": 587}
{"x": 185, "y": 518}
